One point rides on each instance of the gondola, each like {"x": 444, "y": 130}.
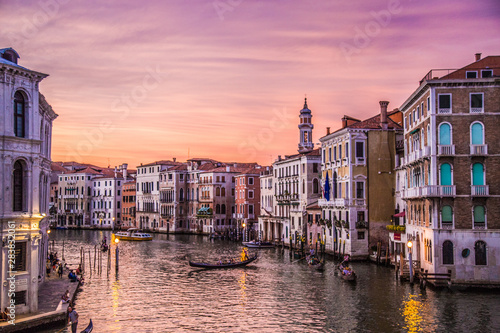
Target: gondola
{"x": 258, "y": 244}
{"x": 347, "y": 273}
{"x": 315, "y": 263}
{"x": 222, "y": 265}
{"x": 89, "y": 328}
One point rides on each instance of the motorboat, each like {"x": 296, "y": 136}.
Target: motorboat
{"x": 133, "y": 234}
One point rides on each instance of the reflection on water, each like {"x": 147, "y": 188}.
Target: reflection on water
{"x": 156, "y": 291}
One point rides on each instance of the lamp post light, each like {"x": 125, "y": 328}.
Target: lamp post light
{"x": 244, "y": 231}
{"x": 410, "y": 244}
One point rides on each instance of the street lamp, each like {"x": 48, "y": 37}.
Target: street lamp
{"x": 410, "y": 244}
{"x": 244, "y": 231}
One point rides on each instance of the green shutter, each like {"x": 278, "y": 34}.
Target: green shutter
{"x": 445, "y": 174}
{"x": 446, "y": 214}
{"x": 477, "y": 134}
{"x": 479, "y": 214}
{"x": 477, "y": 174}
{"x": 444, "y": 135}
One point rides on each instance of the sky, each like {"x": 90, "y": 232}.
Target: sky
{"x": 140, "y": 81}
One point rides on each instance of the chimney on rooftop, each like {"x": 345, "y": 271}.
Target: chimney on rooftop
{"x": 116, "y": 172}
{"x": 383, "y": 114}
{"x": 327, "y": 130}
{"x": 344, "y": 122}
{"x": 174, "y": 159}
{"x": 228, "y": 168}
{"x": 478, "y": 56}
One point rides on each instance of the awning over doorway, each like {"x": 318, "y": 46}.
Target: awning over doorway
{"x": 402, "y": 214}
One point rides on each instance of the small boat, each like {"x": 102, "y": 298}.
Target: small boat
{"x": 89, "y": 328}
{"x": 258, "y": 244}
{"x": 133, "y": 234}
{"x": 347, "y": 273}
{"x": 62, "y": 228}
{"x": 315, "y": 263}
{"x": 221, "y": 264}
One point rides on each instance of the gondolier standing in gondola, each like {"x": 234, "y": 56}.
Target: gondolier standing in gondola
{"x": 72, "y": 319}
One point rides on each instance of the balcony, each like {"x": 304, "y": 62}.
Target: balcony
{"x": 476, "y": 110}
{"x": 430, "y": 191}
{"x": 336, "y": 202}
{"x": 447, "y": 150}
{"x": 480, "y": 190}
{"x": 359, "y": 202}
{"x": 479, "y": 149}
{"x": 444, "y": 110}
{"x": 479, "y": 225}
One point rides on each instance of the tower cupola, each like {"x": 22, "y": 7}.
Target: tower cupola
{"x": 305, "y": 128}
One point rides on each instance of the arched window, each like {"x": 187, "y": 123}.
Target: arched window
{"x": 18, "y": 187}
{"x": 445, "y": 174}
{"x": 223, "y": 209}
{"x": 315, "y": 185}
{"x": 217, "y": 192}
{"x": 217, "y": 209}
{"x": 480, "y": 252}
{"x": 223, "y": 192}
{"x": 479, "y": 217}
{"x": 477, "y": 174}
{"x": 447, "y": 253}
{"x": 181, "y": 195}
{"x": 19, "y": 115}
{"x": 446, "y": 216}
{"x": 444, "y": 134}
{"x": 477, "y": 134}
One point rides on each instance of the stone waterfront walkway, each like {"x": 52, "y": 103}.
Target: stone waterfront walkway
{"x": 51, "y": 311}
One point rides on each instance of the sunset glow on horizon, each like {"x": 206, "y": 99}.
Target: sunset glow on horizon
{"x": 135, "y": 82}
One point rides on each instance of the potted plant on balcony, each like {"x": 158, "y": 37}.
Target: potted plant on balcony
{"x": 361, "y": 225}
{"x": 329, "y": 224}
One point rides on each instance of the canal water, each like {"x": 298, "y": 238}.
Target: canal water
{"x": 155, "y": 290}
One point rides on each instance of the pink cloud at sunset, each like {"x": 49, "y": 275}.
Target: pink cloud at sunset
{"x": 142, "y": 81}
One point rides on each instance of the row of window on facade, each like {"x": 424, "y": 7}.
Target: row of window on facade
{"x": 292, "y": 170}
{"x": 417, "y": 216}
{"x": 476, "y": 105}
{"x": 330, "y": 155}
{"x": 448, "y": 250}
{"x": 293, "y": 187}
{"x": 477, "y": 174}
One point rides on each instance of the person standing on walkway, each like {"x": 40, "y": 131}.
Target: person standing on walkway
{"x": 72, "y": 319}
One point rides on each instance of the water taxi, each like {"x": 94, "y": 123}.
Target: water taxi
{"x": 133, "y": 235}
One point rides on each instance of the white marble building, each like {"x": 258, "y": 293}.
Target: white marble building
{"x": 26, "y": 131}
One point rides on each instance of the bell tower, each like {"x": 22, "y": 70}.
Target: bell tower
{"x": 305, "y": 127}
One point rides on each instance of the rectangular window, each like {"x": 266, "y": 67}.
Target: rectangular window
{"x": 334, "y": 154}
{"x": 20, "y": 256}
{"x": 360, "y": 190}
{"x": 315, "y": 167}
{"x": 347, "y": 149}
{"x": 250, "y": 209}
{"x": 20, "y": 297}
{"x": 428, "y": 103}
{"x": 471, "y": 74}
{"x": 476, "y": 103}
{"x": 444, "y": 103}
{"x": 250, "y": 194}
{"x": 361, "y": 235}
{"x": 329, "y": 154}
{"x": 360, "y": 152}
{"x": 487, "y": 73}
{"x": 422, "y": 108}
{"x": 250, "y": 180}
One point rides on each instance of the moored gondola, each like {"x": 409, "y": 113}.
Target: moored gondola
{"x": 89, "y": 328}
{"x": 221, "y": 264}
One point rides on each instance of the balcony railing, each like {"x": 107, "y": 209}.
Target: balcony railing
{"x": 479, "y": 225}
{"x": 446, "y": 149}
{"x": 430, "y": 191}
{"x": 446, "y": 225}
{"x": 444, "y": 110}
{"x": 480, "y": 190}
{"x": 476, "y": 110}
{"x": 479, "y": 149}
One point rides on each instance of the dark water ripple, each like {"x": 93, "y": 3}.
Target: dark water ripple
{"x": 156, "y": 291}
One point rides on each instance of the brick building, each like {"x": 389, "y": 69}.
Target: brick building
{"x": 452, "y": 183}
